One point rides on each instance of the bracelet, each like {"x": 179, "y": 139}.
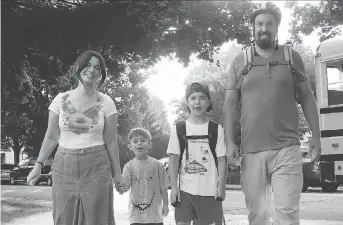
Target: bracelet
{"x": 42, "y": 164}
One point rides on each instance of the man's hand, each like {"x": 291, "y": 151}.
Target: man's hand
{"x": 232, "y": 155}
{"x": 315, "y": 149}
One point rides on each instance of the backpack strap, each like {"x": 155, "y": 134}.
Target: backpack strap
{"x": 181, "y": 135}
{"x": 212, "y": 139}
{"x": 183, "y": 143}
{"x": 247, "y": 53}
{"x": 288, "y": 54}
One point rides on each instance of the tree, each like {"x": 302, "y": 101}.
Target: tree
{"x": 215, "y": 76}
{"x": 42, "y": 39}
{"x": 327, "y": 16}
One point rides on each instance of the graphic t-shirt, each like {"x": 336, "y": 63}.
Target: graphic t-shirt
{"x": 198, "y": 174}
{"x": 82, "y": 129}
{"x": 147, "y": 178}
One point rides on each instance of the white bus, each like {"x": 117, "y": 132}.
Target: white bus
{"x": 329, "y": 94}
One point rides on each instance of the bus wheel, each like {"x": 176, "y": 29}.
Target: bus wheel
{"x": 329, "y": 188}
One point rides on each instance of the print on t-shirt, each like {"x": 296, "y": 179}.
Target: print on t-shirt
{"x": 142, "y": 199}
{"x": 197, "y": 163}
{"x": 79, "y": 122}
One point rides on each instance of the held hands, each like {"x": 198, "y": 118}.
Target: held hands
{"x": 315, "y": 149}
{"x": 165, "y": 210}
{"x": 175, "y": 197}
{"x": 34, "y": 175}
{"x": 119, "y": 183}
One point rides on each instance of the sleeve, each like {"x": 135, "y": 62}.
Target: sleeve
{"x": 232, "y": 78}
{"x": 55, "y": 105}
{"x": 220, "y": 147}
{"x": 127, "y": 174}
{"x": 110, "y": 107}
{"x": 301, "y": 74}
{"x": 173, "y": 145}
{"x": 163, "y": 177}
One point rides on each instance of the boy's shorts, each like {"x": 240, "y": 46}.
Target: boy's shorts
{"x": 202, "y": 210}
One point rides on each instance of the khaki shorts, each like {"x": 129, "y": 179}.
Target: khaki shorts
{"x": 202, "y": 210}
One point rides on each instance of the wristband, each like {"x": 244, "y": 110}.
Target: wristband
{"x": 42, "y": 164}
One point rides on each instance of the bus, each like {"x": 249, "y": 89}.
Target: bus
{"x": 328, "y": 172}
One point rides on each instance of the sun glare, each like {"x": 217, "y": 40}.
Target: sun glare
{"x": 168, "y": 82}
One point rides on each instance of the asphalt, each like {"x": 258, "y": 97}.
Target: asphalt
{"x": 121, "y": 217}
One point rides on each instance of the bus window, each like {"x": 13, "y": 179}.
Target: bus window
{"x": 335, "y": 84}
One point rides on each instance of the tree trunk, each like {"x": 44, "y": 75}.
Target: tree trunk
{"x": 16, "y": 152}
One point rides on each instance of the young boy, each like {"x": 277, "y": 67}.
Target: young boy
{"x": 201, "y": 184}
{"x": 148, "y": 181}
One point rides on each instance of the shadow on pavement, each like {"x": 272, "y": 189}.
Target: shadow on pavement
{"x": 13, "y": 208}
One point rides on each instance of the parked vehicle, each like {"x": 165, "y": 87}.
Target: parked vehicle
{"x": 22, "y": 170}
{"x": 328, "y": 172}
{"x": 5, "y": 172}
{"x": 165, "y": 162}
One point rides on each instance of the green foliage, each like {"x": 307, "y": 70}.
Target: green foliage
{"x": 216, "y": 78}
{"x": 41, "y": 39}
{"x": 326, "y": 15}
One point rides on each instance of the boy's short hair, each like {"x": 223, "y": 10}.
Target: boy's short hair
{"x": 139, "y": 132}
{"x": 198, "y": 87}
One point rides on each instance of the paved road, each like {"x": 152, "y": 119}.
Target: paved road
{"x": 314, "y": 204}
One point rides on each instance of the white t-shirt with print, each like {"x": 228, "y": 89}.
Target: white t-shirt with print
{"x": 198, "y": 174}
{"x": 82, "y": 129}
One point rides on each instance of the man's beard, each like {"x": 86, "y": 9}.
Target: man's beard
{"x": 265, "y": 42}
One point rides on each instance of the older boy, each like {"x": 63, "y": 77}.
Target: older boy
{"x": 202, "y": 168}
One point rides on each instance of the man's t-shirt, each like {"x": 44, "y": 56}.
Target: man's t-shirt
{"x": 147, "y": 178}
{"x": 198, "y": 174}
{"x": 269, "y": 116}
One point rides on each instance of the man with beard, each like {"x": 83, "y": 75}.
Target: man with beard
{"x": 269, "y": 121}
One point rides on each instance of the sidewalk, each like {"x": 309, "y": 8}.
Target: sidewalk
{"x": 121, "y": 215}
{"x": 233, "y": 187}
{"x": 46, "y": 219}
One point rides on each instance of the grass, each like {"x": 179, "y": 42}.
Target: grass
{"x": 14, "y": 208}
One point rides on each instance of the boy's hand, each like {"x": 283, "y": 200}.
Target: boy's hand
{"x": 165, "y": 210}
{"x": 174, "y": 195}
{"x": 220, "y": 193}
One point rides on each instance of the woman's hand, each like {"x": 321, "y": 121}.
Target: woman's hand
{"x": 34, "y": 175}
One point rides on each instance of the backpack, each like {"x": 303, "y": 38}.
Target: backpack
{"x": 248, "y": 63}
{"x": 183, "y": 139}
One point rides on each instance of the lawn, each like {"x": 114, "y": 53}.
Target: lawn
{"x": 14, "y": 208}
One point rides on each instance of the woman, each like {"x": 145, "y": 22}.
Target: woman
{"x": 83, "y": 122}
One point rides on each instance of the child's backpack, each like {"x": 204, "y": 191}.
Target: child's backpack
{"x": 183, "y": 139}
{"x": 248, "y": 63}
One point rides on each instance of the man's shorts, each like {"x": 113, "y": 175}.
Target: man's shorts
{"x": 202, "y": 210}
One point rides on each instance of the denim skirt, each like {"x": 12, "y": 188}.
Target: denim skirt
{"x": 82, "y": 190}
